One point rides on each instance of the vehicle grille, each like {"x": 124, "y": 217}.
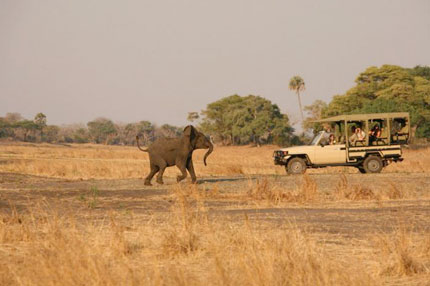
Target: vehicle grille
{"x": 278, "y": 154}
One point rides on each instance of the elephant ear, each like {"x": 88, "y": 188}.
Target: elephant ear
{"x": 190, "y": 131}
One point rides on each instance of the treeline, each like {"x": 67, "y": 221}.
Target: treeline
{"x": 233, "y": 120}
{"x": 100, "y": 131}
{"x": 239, "y": 120}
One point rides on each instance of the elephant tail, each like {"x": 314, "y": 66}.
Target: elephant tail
{"x": 138, "y": 146}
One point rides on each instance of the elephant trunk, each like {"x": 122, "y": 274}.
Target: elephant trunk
{"x": 211, "y": 148}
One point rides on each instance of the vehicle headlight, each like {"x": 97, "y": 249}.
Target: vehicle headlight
{"x": 280, "y": 153}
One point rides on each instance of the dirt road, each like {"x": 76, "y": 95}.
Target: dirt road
{"x": 229, "y": 197}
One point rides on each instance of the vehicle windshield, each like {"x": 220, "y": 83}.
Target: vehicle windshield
{"x": 316, "y": 138}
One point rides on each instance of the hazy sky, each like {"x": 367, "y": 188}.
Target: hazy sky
{"x": 156, "y": 60}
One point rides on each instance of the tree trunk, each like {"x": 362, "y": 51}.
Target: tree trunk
{"x": 300, "y": 106}
{"x": 412, "y": 133}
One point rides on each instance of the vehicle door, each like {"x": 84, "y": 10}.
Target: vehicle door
{"x": 330, "y": 154}
{"x": 325, "y": 153}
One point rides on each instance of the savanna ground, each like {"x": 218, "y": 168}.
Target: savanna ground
{"x": 80, "y": 215}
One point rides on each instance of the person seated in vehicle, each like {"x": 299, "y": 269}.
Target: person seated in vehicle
{"x": 331, "y": 139}
{"x": 358, "y": 136}
{"x": 374, "y": 134}
{"x": 399, "y": 130}
{"x": 361, "y": 135}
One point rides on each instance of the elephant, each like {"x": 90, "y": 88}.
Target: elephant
{"x": 166, "y": 152}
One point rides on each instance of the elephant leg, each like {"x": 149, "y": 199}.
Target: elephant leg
{"x": 183, "y": 169}
{"x": 190, "y": 168}
{"x": 154, "y": 170}
{"x": 162, "y": 166}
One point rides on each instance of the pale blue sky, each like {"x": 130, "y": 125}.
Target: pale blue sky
{"x": 156, "y": 60}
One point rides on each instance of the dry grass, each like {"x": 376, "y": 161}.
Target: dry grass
{"x": 403, "y": 252}
{"x": 344, "y": 190}
{"x": 185, "y": 248}
{"x": 305, "y": 192}
{"x": 116, "y": 162}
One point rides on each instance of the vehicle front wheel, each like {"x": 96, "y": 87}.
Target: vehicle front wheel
{"x": 296, "y": 166}
{"x": 373, "y": 164}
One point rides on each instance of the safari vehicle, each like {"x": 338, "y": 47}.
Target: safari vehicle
{"x": 368, "y": 142}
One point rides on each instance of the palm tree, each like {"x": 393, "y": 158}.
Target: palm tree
{"x": 297, "y": 84}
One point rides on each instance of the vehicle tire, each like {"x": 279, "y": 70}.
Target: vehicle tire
{"x": 373, "y": 164}
{"x": 296, "y": 166}
{"x": 361, "y": 170}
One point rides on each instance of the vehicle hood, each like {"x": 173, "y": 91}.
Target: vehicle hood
{"x": 298, "y": 149}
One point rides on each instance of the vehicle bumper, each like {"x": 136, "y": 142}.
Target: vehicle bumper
{"x": 281, "y": 160}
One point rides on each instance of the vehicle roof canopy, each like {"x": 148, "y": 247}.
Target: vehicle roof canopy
{"x": 362, "y": 117}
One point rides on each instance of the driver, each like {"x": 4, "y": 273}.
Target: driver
{"x": 331, "y": 139}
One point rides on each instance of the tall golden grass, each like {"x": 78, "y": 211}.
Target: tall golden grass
{"x": 120, "y": 162}
{"x": 188, "y": 246}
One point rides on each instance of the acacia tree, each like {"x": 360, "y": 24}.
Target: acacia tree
{"x": 297, "y": 84}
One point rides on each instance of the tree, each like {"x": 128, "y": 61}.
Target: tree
{"x": 167, "y": 130}
{"x": 315, "y": 112}
{"x": 27, "y": 127}
{"x": 297, "y": 84}
{"x": 101, "y": 130}
{"x": 242, "y": 120}
{"x": 13, "y": 117}
{"x": 73, "y": 133}
{"x": 80, "y": 135}
{"x": 219, "y": 117}
{"x": 143, "y": 129}
{"x": 4, "y": 128}
{"x": 192, "y": 116}
{"x": 40, "y": 121}
{"x": 51, "y": 133}
{"x": 422, "y": 71}
{"x": 147, "y": 130}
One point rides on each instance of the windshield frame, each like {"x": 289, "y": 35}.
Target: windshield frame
{"x": 316, "y": 138}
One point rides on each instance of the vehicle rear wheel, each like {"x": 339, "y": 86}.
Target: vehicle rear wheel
{"x": 296, "y": 166}
{"x": 373, "y": 164}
